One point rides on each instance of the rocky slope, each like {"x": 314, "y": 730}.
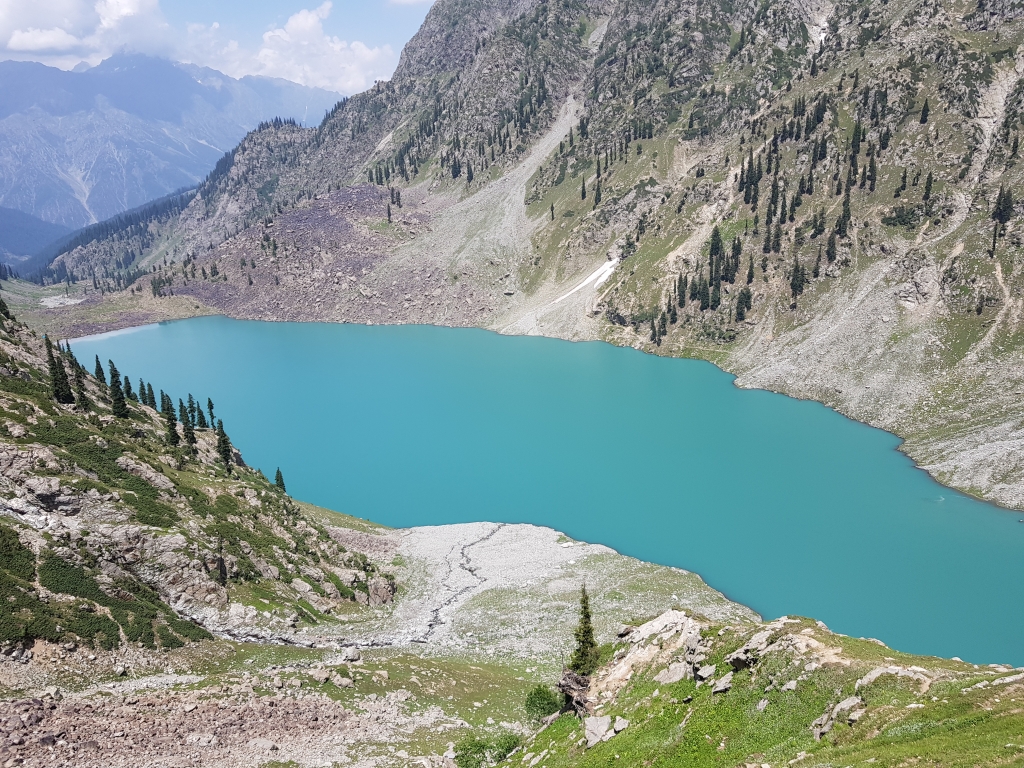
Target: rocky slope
{"x": 113, "y": 534}
{"x": 854, "y": 159}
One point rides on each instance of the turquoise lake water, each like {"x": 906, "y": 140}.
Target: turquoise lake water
{"x": 783, "y": 505}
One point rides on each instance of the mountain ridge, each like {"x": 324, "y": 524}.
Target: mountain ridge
{"x": 878, "y": 138}
{"x": 83, "y": 146}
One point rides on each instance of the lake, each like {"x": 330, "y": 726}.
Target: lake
{"x": 783, "y": 505}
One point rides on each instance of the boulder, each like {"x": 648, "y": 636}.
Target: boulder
{"x": 723, "y": 684}
{"x": 674, "y": 673}
{"x": 621, "y": 724}
{"x": 595, "y": 728}
{"x": 263, "y": 745}
{"x": 351, "y": 653}
{"x": 381, "y": 591}
{"x": 750, "y": 652}
{"x": 706, "y": 672}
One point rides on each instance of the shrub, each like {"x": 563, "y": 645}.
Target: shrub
{"x": 17, "y": 559}
{"x": 541, "y": 701}
{"x": 471, "y": 752}
{"x": 474, "y": 752}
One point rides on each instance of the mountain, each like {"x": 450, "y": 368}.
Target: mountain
{"x": 22, "y": 235}
{"x": 821, "y": 198}
{"x": 80, "y": 147}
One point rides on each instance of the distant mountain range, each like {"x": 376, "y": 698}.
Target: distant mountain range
{"x": 22, "y": 234}
{"x": 80, "y": 147}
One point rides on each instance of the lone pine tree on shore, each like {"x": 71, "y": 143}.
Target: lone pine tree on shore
{"x": 585, "y": 656}
{"x": 279, "y": 479}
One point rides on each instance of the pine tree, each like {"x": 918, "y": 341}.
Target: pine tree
{"x": 99, "y": 371}
{"x": 681, "y": 291}
{"x": 924, "y": 112}
{"x": 128, "y": 390}
{"x": 150, "y": 396}
{"x": 830, "y": 248}
{"x": 59, "y": 384}
{"x": 173, "y": 438}
{"x": 142, "y": 393}
{"x": 223, "y": 445}
{"x": 750, "y": 270}
{"x": 279, "y": 479}
{"x": 186, "y": 423}
{"x": 209, "y": 407}
{"x": 80, "y": 394}
{"x": 118, "y": 406}
{"x": 583, "y": 190}
{"x": 585, "y": 655}
{"x": 1003, "y": 209}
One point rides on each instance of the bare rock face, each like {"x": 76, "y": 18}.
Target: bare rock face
{"x": 146, "y": 472}
{"x": 381, "y": 591}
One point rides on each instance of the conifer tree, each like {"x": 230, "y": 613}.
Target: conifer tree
{"x": 583, "y": 190}
{"x": 186, "y": 423}
{"x": 924, "y": 112}
{"x": 192, "y": 411}
{"x": 209, "y": 407}
{"x": 223, "y": 445}
{"x": 279, "y": 479}
{"x": 201, "y": 418}
{"x": 59, "y": 384}
{"x": 118, "y": 406}
{"x": 830, "y": 248}
{"x": 585, "y": 655}
{"x": 1003, "y": 209}
{"x": 150, "y": 396}
{"x": 99, "y": 371}
{"x": 173, "y": 438}
{"x": 80, "y": 394}
{"x": 128, "y": 389}
{"x": 750, "y": 270}
{"x": 142, "y": 392}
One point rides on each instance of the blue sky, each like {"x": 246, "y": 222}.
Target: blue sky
{"x": 341, "y": 45}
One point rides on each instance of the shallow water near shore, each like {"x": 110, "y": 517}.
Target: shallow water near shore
{"x": 784, "y": 505}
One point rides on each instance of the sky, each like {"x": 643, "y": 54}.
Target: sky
{"x": 340, "y": 45}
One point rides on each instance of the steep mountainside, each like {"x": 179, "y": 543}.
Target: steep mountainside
{"x": 79, "y": 147}
{"x": 818, "y": 196}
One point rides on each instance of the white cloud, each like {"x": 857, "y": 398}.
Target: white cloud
{"x": 33, "y": 39}
{"x": 299, "y": 51}
{"x": 65, "y": 32}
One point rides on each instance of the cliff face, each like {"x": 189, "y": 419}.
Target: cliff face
{"x": 820, "y": 197}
